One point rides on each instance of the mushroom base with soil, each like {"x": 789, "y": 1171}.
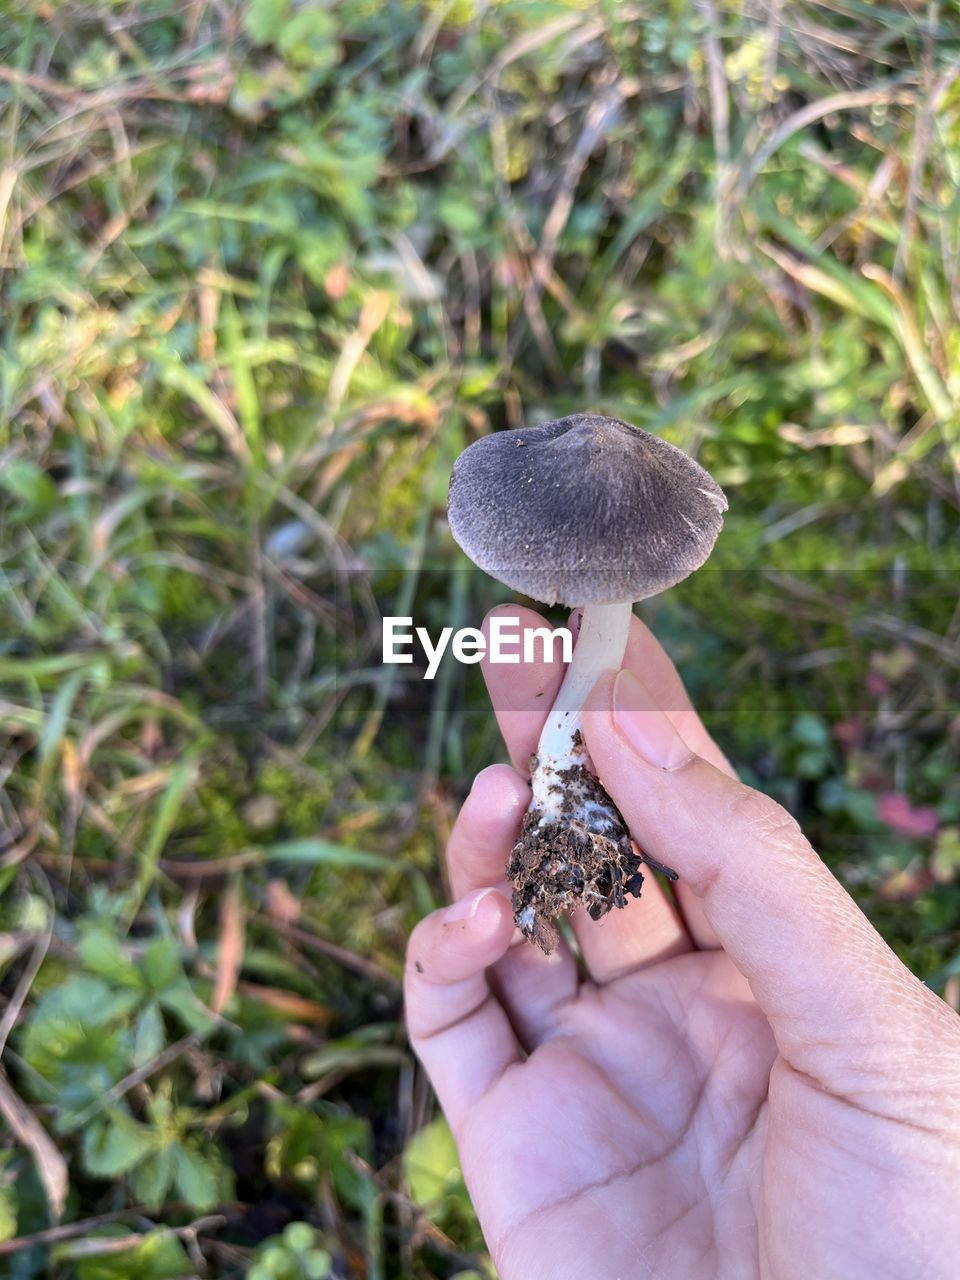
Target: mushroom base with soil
{"x": 560, "y": 865}
{"x": 584, "y": 858}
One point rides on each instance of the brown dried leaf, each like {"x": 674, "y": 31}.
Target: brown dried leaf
{"x": 30, "y": 1133}
{"x": 281, "y": 903}
{"x": 286, "y": 1002}
{"x": 229, "y": 947}
{"x": 73, "y": 769}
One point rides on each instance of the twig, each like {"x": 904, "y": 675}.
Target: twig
{"x": 17, "y": 1000}
{"x": 357, "y": 964}
{"x": 53, "y": 1235}
{"x": 716, "y": 84}
{"x": 530, "y": 295}
{"x": 600, "y": 115}
{"x": 209, "y": 868}
{"x": 117, "y": 1091}
{"x": 109, "y": 1244}
{"x": 30, "y": 1133}
{"x": 720, "y": 124}
{"x": 877, "y": 622}
{"x": 12, "y": 1011}
{"x": 134, "y": 89}
{"x": 922, "y": 134}
{"x": 813, "y": 111}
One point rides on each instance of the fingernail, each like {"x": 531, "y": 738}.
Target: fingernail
{"x": 477, "y": 777}
{"x": 467, "y": 907}
{"x": 647, "y": 729}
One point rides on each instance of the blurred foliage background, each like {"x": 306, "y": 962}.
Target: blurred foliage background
{"x": 266, "y": 268}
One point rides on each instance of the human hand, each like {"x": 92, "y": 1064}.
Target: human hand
{"x": 747, "y": 1083}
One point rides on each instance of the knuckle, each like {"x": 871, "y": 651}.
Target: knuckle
{"x": 765, "y": 820}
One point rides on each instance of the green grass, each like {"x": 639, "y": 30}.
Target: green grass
{"x": 266, "y": 269}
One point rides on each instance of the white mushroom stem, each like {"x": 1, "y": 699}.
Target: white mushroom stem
{"x": 600, "y": 647}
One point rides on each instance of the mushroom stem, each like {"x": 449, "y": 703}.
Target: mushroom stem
{"x": 600, "y": 647}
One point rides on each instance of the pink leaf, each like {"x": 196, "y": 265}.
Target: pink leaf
{"x": 899, "y": 814}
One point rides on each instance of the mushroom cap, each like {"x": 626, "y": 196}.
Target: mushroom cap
{"x": 583, "y": 510}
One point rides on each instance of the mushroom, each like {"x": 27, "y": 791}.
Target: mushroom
{"x": 593, "y": 513}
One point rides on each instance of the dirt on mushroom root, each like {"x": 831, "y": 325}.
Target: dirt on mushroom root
{"x": 577, "y": 860}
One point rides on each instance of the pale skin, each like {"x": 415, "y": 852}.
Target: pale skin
{"x": 744, "y": 1080}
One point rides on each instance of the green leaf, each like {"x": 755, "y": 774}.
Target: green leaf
{"x": 308, "y": 40}
{"x": 113, "y": 1147}
{"x": 76, "y": 1039}
{"x": 149, "y": 1034}
{"x": 101, "y": 953}
{"x": 299, "y": 1236}
{"x": 8, "y": 1213}
{"x": 150, "y": 1181}
{"x": 99, "y": 64}
{"x": 460, "y": 214}
{"x": 430, "y": 1164}
{"x": 811, "y": 730}
{"x": 179, "y": 999}
{"x": 178, "y": 377}
{"x": 308, "y": 1147}
{"x": 160, "y": 966}
{"x": 368, "y": 1047}
{"x": 196, "y": 1178}
{"x": 945, "y": 862}
{"x": 38, "y": 668}
{"x": 812, "y": 763}
{"x": 316, "y": 1264}
{"x": 265, "y": 20}
{"x": 30, "y": 484}
{"x": 180, "y": 781}
{"x": 241, "y": 372}
{"x": 862, "y": 807}
{"x": 56, "y": 724}
{"x": 322, "y": 852}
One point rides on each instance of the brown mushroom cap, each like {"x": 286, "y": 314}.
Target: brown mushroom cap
{"x": 584, "y": 510}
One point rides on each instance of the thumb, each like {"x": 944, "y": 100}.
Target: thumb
{"x": 830, "y": 986}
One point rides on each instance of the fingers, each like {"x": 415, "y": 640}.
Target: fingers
{"x": 457, "y": 1027}
{"x": 644, "y": 932}
{"x": 523, "y": 693}
{"x": 531, "y": 986}
{"x": 486, "y": 829}
{"x": 816, "y": 966}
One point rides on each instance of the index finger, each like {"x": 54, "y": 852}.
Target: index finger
{"x": 521, "y": 693}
